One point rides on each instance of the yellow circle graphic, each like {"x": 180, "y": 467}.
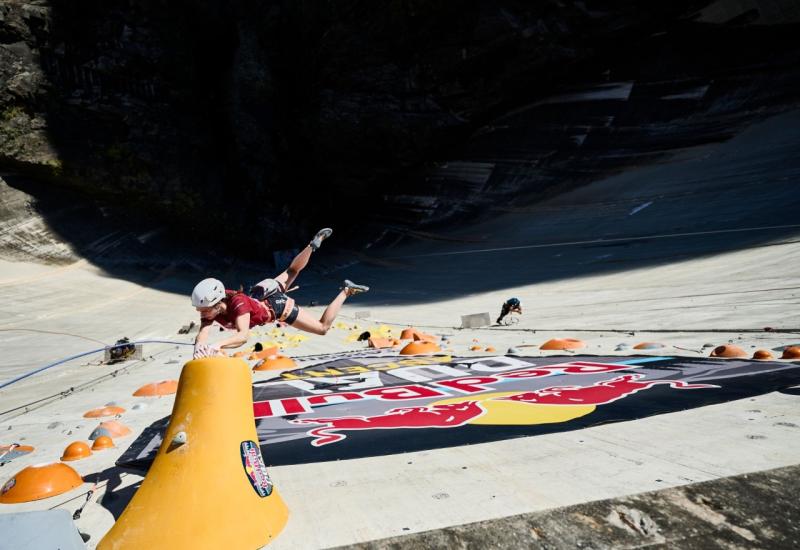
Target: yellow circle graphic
{"x": 515, "y": 413}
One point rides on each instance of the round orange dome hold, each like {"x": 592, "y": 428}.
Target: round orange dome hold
{"x": 102, "y": 443}
{"x": 563, "y": 343}
{"x": 114, "y": 428}
{"x": 104, "y": 411}
{"x": 420, "y": 347}
{"x": 38, "y": 482}
{"x": 762, "y": 354}
{"x": 76, "y": 451}
{"x": 649, "y": 345}
{"x": 728, "y": 350}
{"x": 165, "y": 387}
{"x": 791, "y": 352}
{"x": 276, "y": 362}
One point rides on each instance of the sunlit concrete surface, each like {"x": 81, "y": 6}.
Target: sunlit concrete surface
{"x": 701, "y": 250}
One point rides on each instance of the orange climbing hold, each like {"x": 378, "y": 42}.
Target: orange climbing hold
{"x": 411, "y": 333}
{"x": 420, "y": 347}
{"x": 276, "y": 362}
{"x": 791, "y": 352}
{"x": 490, "y": 349}
{"x": 648, "y": 345}
{"x": 38, "y": 482}
{"x": 475, "y": 348}
{"x": 728, "y": 350}
{"x": 114, "y": 428}
{"x": 762, "y": 354}
{"x": 76, "y": 451}
{"x": 104, "y": 411}
{"x": 264, "y": 353}
{"x": 102, "y": 443}
{"x": 563, "y": 343}
{"x": 165, "y": 387}
{"x": 379, "y": 343}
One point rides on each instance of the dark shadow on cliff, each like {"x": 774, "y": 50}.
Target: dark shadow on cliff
{"x": 710, "y": 200}
{"x": 657, "y": 119}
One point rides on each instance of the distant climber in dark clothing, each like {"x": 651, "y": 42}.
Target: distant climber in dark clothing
{"x": 512, "y": 305}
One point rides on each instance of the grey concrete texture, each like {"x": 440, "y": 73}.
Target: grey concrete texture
{"x": 747, "y": 511}
{"x": 42, "y": 529}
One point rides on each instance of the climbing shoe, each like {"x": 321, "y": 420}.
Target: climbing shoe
{"x": 321, "y": 235}
{"x": 353, "y": 288}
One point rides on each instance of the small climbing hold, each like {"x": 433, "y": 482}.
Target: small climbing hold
{"x": 110, "y": 428}
{"x": 729, "y": 351}
{"x": 380, "y": 343}
{"x": 164, "y": 387}
{"x": 791, "y": 352}
{"x": 276, "y": 362}
{"x": 563, "y": 344}
{"x": 179, "y": 438}
{"x": 102, "y": 443}
{"x": 762, "y": 354}
{"x": 264, "y": 353}
{"x": 648, "y": 345}
{"x": 420, "y": 347}
{"x": 411, "y": 333}
{"x": 76, "y": 451}
{"x": 104, "y": 411}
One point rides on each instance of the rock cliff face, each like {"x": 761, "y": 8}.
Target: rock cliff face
{"x": 257, "y": 121}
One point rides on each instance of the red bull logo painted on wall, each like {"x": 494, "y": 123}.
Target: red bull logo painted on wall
{"x": 368, "y": 404}
{"x": 450, "y": 415}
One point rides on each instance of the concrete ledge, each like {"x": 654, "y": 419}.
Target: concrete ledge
{"x": 757, "y": 510}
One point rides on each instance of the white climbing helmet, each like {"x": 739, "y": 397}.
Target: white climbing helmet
{"x": 207, "y": 293}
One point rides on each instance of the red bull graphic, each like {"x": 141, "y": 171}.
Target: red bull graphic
{"x": 600, "y": 393}
{"x": 458, "y": 414}
{"x": 359, "y": 405}
{"x": 435, "y": 416}
{"x": 433, "y": 388}
{"x": 255, "y": 469}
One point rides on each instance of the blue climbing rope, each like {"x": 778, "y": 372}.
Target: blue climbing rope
{"x": 84, "y": 354}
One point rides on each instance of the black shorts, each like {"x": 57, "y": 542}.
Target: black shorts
{"x": 277, "y": 301}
